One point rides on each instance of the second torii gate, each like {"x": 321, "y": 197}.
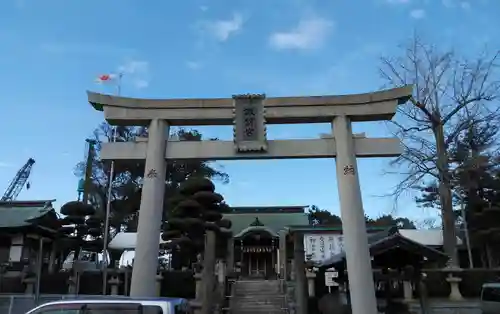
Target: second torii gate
{"x": 250, "y": 114}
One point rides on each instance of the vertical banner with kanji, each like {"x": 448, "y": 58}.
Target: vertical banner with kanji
{"x": 249, "y": 123}
{"x": 323, "y": 246}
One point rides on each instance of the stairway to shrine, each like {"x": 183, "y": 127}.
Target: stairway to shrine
{"x": 257, "y": 296}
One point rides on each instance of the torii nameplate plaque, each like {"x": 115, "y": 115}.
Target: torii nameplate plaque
{"x": 249, "y": 123}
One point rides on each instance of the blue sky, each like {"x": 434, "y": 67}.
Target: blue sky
{"x": 52, "y": 50}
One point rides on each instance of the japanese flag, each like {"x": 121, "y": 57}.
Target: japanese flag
{"x": 105, "y": 78}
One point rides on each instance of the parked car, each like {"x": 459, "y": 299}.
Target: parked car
{"x": 115, "y": 305}
{"x": 490, "y": 298}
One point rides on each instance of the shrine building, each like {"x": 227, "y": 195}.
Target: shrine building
{"x": 262, "y": 246}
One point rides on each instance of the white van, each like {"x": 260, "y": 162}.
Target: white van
{"x": 114, "y": 306}
{"x": 490, "y": 298}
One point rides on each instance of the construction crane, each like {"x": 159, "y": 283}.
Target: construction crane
{"x": 18, "y": 182}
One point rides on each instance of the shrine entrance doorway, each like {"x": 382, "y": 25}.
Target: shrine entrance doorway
{"x": 258, "y": 248}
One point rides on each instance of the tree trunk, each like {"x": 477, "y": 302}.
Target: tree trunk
{"x": 445, "y": 196}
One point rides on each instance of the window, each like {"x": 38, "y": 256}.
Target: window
{"x": 491, "y": 294}
{"x": 4, "y": 254}
{"x": 92, "y": 308}
{"x": 59, "y": 309}
{"x": 151, "y": 309}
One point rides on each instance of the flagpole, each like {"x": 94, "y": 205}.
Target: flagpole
{"x": 108, "y": 204}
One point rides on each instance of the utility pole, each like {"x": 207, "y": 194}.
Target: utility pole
{"x": 88, "y": 170}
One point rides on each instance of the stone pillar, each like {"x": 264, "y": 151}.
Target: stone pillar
{"x": 73, "y": 283}
{"x": 221, "y": 271}
{"x": 283, "y": 255}
{"x": 114, "y": 284}
{"x": 311, "y": 282}
{"x": 52, "y": 258}
{"x": 30, "y": 285}
{"x": 199, "y": 287}
{"x": 148, "y": 230}
{"x": 407, "y": 290}
{"x": 300, "y": 274}
{"x": 241, "y": 255}
{"x": 196, "y": 305}
{"x": 359, "y": 267}
{"x": 455, "y": 294}
{"x": 208, "y": 276}
{"x": 273, "y": 258}
{"x": 230, "y": 255}
{"x": 159, "y": 279}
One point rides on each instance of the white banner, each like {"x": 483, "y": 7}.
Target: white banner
{"x": 323, "y": 246}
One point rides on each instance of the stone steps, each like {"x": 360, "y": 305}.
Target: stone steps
{"x": 260, "y": 298}
{"x": 257, "y": 296}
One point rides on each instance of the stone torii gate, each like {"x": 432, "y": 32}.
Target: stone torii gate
{"x": 249, "y": 114}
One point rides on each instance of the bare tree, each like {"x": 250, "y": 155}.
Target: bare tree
{"x": 450, "y": 93}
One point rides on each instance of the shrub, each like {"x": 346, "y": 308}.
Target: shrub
{"x": 178, "y": 284}
{"x": 56, "y": 283}
{"x": 91, "y": 283}
{"x": 436, "y": 284}
{"x": 12, "y": 285}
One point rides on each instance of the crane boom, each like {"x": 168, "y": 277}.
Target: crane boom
{"x": 17, "y": 184}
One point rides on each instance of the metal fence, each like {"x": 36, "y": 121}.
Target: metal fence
{"x": 22, "y": 303}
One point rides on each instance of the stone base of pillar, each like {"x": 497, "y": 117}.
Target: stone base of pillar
{"x": 114, "y": 284}
{"x": 72, "y": 283}
{"x": 455, "y": 294}
{"x": 30, "y": 285}
{"x": 311, "y": 282}
{"x": 199, "y": 287}
{"x": 195, "y": 306}
{"x": 407, "y": 291}
{"x": 159, "y": 279}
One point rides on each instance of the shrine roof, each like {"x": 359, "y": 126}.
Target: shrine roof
{"x": 18, "y": 214}
{"x": 273, "y": 220}
{"x": 325, "y": 228}
{"x": 389, "y": 239}
{"x": 268, "y": 209}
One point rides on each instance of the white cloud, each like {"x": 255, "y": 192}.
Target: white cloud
{"x": 137, "y": 71}
{"x": 140, "y": 83}
{"x": 223, "y": 29}
{"x": 193, "y": 65}
{"x": 97, "y": 49}
{"x": 134, "y": 67}
{"x": 308, "y": 34}
{"x": 20, "y": 4}
{"x": 397, "y": 1}
{"x": 417, "y": 14}
{"x": 465, "y": 5}
{"x": 5, "y": 164}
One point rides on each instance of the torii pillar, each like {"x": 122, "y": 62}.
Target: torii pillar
{"x": 150, "y": 214}
{"x": 360, "y": 274}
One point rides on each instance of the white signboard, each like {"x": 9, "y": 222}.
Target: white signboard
{"x": 323, "y": 246}
{"x": 330, "y": 277}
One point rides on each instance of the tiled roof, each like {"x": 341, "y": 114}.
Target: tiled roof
{"x": 381, "y": 240}
{"x": 22, "y": 213}
{"x": 274, "y": 221}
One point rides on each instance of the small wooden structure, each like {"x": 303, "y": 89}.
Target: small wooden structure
{"x": 22, "y": 226}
